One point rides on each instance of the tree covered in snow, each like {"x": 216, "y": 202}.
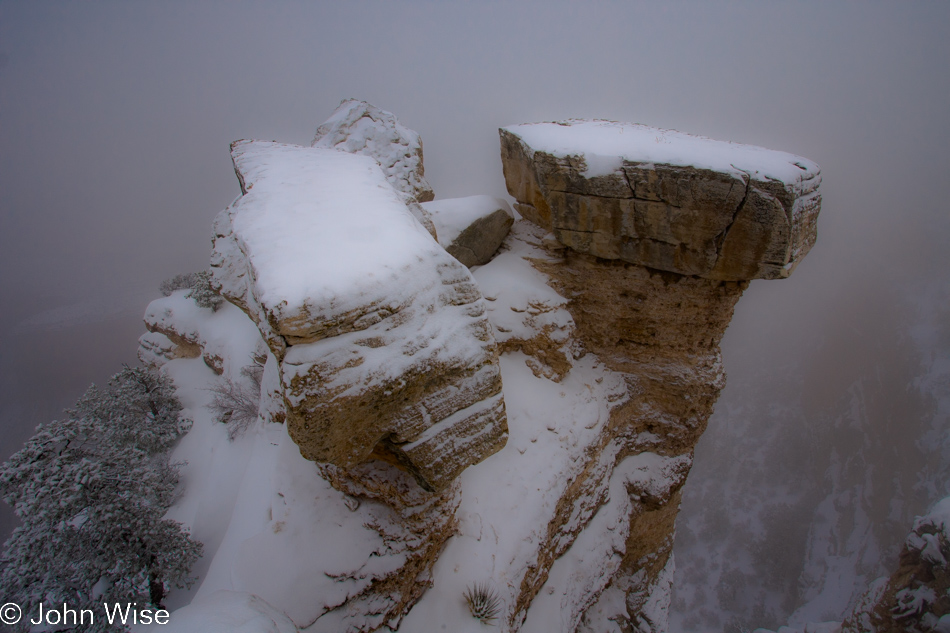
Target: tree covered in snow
{"x": 91, "y": 491}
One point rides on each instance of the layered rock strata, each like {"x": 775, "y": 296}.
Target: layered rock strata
{"x": 381, "y": 337}
{"x": 335, "y": 550}
{"x": 664, "y": 199}
{"x": 383, "y": 367}
{"x": 655, "y": 236}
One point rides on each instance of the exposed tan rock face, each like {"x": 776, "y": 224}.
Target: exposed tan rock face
{"x": 384, "y": 348}
{"x": 664, "y": 199}
{"x": 656, "y": 236}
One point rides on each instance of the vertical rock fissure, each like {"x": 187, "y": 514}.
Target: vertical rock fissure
{"x": 745, "y": 196}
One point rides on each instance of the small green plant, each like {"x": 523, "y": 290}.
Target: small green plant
{"x": 483, "y": 603}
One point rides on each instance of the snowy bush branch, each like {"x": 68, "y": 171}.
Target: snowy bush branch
{"x": 236, "y": 402}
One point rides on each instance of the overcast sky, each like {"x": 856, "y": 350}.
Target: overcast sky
{"x": 115, "y": 117}
{"x": 115, "y": 121}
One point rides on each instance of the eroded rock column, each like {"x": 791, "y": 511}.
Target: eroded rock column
{"x": 658, "y": 233}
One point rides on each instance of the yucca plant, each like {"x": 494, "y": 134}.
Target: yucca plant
{"x": 483, "y": 603}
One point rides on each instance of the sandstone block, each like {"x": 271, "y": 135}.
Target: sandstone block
{"x": 664, "y": 199}
{"x": 471, "y": 229}
{"x": 384, "y": 348}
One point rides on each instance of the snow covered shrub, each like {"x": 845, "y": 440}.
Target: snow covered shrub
{"x": 483, "y": 603}
{"x": 178, "y": 282}
{"x": 202, "y": 292}
{"x": 236, "y": 403}
{"x": 91, "y": 491}
{"x": 200, "y": 285}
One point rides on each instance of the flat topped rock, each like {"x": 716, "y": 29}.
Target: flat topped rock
{"x": 323, "y": 230}
{"x": 664, "y": 199}
{"x": 606, "y": 145}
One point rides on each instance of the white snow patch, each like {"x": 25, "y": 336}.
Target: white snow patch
{"x": 225, "y": 612}
{"x": 322, "y": 230}
{"x": 605, "y": 144}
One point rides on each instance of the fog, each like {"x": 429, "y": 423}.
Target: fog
{"x": 115, "y": 121}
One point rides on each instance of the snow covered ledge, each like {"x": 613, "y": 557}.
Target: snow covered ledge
{"x": 383, "y": 345}
{"x": 664, "y": 199}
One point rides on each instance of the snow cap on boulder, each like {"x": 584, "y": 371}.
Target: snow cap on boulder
{"x": 359, "y": 127}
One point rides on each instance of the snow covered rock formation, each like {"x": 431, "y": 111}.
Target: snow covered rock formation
{"x": 656, "y": 235}
{"x": 916, "y": 598}
{"x": 382, "y": 366}
{"x": 379, "y": 484}
{"x": 381, "y": 338}
{"x": 178, "y": 328}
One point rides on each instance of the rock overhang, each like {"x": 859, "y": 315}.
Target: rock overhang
{"x": 664, "y": 199}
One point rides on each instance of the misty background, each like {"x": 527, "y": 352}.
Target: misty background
{"x": 115, "y": 121}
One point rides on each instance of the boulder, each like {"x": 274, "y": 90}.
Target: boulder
{"x": 471, "y": 229}
{"x": 359, "y": 127}
{"x": 179, "y": 328}
{"x": 664, "y": 199}
{"x": 383, "y": 346}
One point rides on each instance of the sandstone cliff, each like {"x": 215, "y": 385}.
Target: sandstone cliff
{"x": 380, "y": 482}
{"x": 662, "y": 232}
